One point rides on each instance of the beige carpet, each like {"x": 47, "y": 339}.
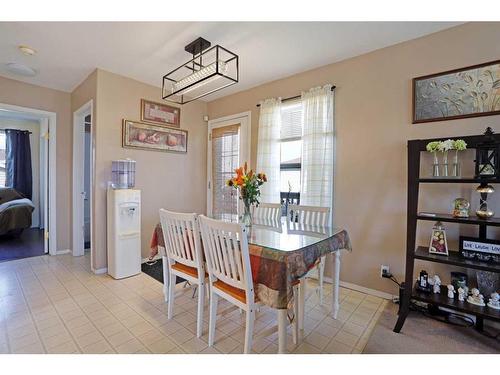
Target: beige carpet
{"x": 421, "y": 335}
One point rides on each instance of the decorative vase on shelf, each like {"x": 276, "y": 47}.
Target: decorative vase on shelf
{"x": 435, "y": 166}
{"x": 455, "y": 170}
{"x": 246, "y": 218}
{"x": 444, "y": 172}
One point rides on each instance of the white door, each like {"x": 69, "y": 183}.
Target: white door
{"x": 79, "y": 190}
{"x": 228, "y": 148}
{"x": 44, "y": 178}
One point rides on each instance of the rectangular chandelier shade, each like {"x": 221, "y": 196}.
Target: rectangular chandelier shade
{"x": 207, "y": 72}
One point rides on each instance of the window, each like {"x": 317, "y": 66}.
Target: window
{"x": 2, "y": 158}
{"x": 291, "y": 151}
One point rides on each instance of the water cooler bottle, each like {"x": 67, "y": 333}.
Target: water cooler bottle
{"x": 124, "y": 223}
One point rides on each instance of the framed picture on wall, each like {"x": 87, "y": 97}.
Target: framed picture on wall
{"x": 160, "y": 114}
{"x": 467, "y": 92}
{"x": 153, "y": 137}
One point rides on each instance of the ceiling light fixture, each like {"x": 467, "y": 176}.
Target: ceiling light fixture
{"x": 20, "y": 69}
{"x": 210, "y": 70}
{"x": 27, "y": 50}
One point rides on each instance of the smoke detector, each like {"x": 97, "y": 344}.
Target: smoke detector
{"x": 28, "y": 51}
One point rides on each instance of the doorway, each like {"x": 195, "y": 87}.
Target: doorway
{"x": 82, "y": 179}
{"x": 27, "y": 182}
{"x": 228, "y": 148}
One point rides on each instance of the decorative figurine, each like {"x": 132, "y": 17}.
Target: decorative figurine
{"x": 494, "y": 301}
{"x": 476, "y": 298}
{"x": 451, "y": 291}
{"x": 461, "y": 294}
{"x": 436, "y": 288}
{"x": 461, "y": 207}
{"x": 483, "y": 211}
{"x": 438, "y": 243}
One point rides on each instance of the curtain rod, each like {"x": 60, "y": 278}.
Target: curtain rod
{"x": 295, "y": 97}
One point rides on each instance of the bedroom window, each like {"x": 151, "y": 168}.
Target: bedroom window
{"x": 2, "y": 158}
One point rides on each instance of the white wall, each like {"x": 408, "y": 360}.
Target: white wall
{"x": 34, "y": 127}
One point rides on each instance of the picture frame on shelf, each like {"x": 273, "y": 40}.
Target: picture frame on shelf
{"x": 485, "y": 250}
{"x": 459, "y": 93}
{"x": 153, "y": 137}
{"x": 160, "y": 114}
{"x": 438, "y": 244}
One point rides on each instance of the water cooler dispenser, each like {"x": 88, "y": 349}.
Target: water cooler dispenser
{"x": 124, "y": 222}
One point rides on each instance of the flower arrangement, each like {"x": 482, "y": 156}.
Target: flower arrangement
{"x": 444, "y": 147}
{"x": 248, "y": 183}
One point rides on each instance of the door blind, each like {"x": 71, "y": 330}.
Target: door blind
{"x": 225, "y": 159}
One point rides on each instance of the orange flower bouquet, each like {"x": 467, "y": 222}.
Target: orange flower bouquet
{"x": 248, "y": 183}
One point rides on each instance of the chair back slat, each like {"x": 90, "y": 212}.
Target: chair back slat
{"x": 309, "y": 215}
{"x": 227, "y": 255}
{"x": 182, "y": 238}
{"x": 267, "y": 211}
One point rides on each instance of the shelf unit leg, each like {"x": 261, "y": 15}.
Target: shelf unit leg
{"x": 479, "y": 324}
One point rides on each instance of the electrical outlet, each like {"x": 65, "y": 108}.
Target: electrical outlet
{"x": 384, "y": 270}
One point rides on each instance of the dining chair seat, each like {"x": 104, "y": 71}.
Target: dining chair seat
{"x": 234, "y": 292}
{"x": 191, "y": 271}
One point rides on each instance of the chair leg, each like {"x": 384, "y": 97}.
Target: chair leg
{"x": 321, "y": 274}
{"x": 201, "y": 302}
{"x": 171, "y": 296}
{"x": 166, "y": 277}
{"x": 250, "y": 319}
{"x": 213, "y": 318}
{"x": 295, "y": 322}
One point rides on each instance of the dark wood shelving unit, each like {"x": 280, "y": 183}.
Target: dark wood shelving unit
{"x": 415, "y": 148}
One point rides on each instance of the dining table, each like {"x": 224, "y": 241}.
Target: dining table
{"x": 282, "y": 252}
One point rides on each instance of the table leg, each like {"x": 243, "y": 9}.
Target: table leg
{"x": 335, "y": 286}
{"x": 301, "y": 301}
{"x": 166, "y": 277}
{"x": 282, "y": 323}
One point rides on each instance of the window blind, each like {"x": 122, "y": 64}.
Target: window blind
{"x": 225, "y": 159}
{"x": 291, "y": 120}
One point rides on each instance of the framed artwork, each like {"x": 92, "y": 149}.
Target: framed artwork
{"x": 153, "y": 137}
{"x": 160, "y": 114}
{"x": 438, "y": 244}
{"x": 467, "y": 92}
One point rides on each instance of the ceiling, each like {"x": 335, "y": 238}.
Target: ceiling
{"x": 67, "y": 52}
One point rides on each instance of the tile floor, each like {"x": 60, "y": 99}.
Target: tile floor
{"x": 56, "y": 305}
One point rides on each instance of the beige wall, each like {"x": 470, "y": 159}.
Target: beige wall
{"x": 31, "y": 96}
{"x": 169, "y": 180}
{"x": 373, "y": 123}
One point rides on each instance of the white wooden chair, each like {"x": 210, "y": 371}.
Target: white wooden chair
{"x": 268, "y": 212}
{"x": 313, "y": 216}
{"x": 185, "y": 257}
{"x": 230, "y": 276}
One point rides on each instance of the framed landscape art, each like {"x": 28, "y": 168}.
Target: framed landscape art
{"x": 160, "y": 114}
{"x": 467, "y": 92}
{"x": 153, "y": 137}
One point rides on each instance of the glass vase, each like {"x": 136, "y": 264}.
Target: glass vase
{"x": 246, "y": 217}
{"x": 455, "y": 170}
{"x": 444, "y": 170}
{"x": 435, "y": 166}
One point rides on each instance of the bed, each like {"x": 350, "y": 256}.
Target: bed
{"x": 15, "y": 212}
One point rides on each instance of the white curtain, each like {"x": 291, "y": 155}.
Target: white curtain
{"x": 268, "y": 149}
{"x": 317, "y": 147}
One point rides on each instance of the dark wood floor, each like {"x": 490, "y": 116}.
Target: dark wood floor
{"x": 28, "y": 244}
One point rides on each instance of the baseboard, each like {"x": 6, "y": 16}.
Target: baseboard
{"x": 61, "y": 252}
{"x": 362, "y": 289}
{"x": 100, "y": 271}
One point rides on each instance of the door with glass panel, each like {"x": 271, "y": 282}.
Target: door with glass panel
{"x": 227, "y": 150}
